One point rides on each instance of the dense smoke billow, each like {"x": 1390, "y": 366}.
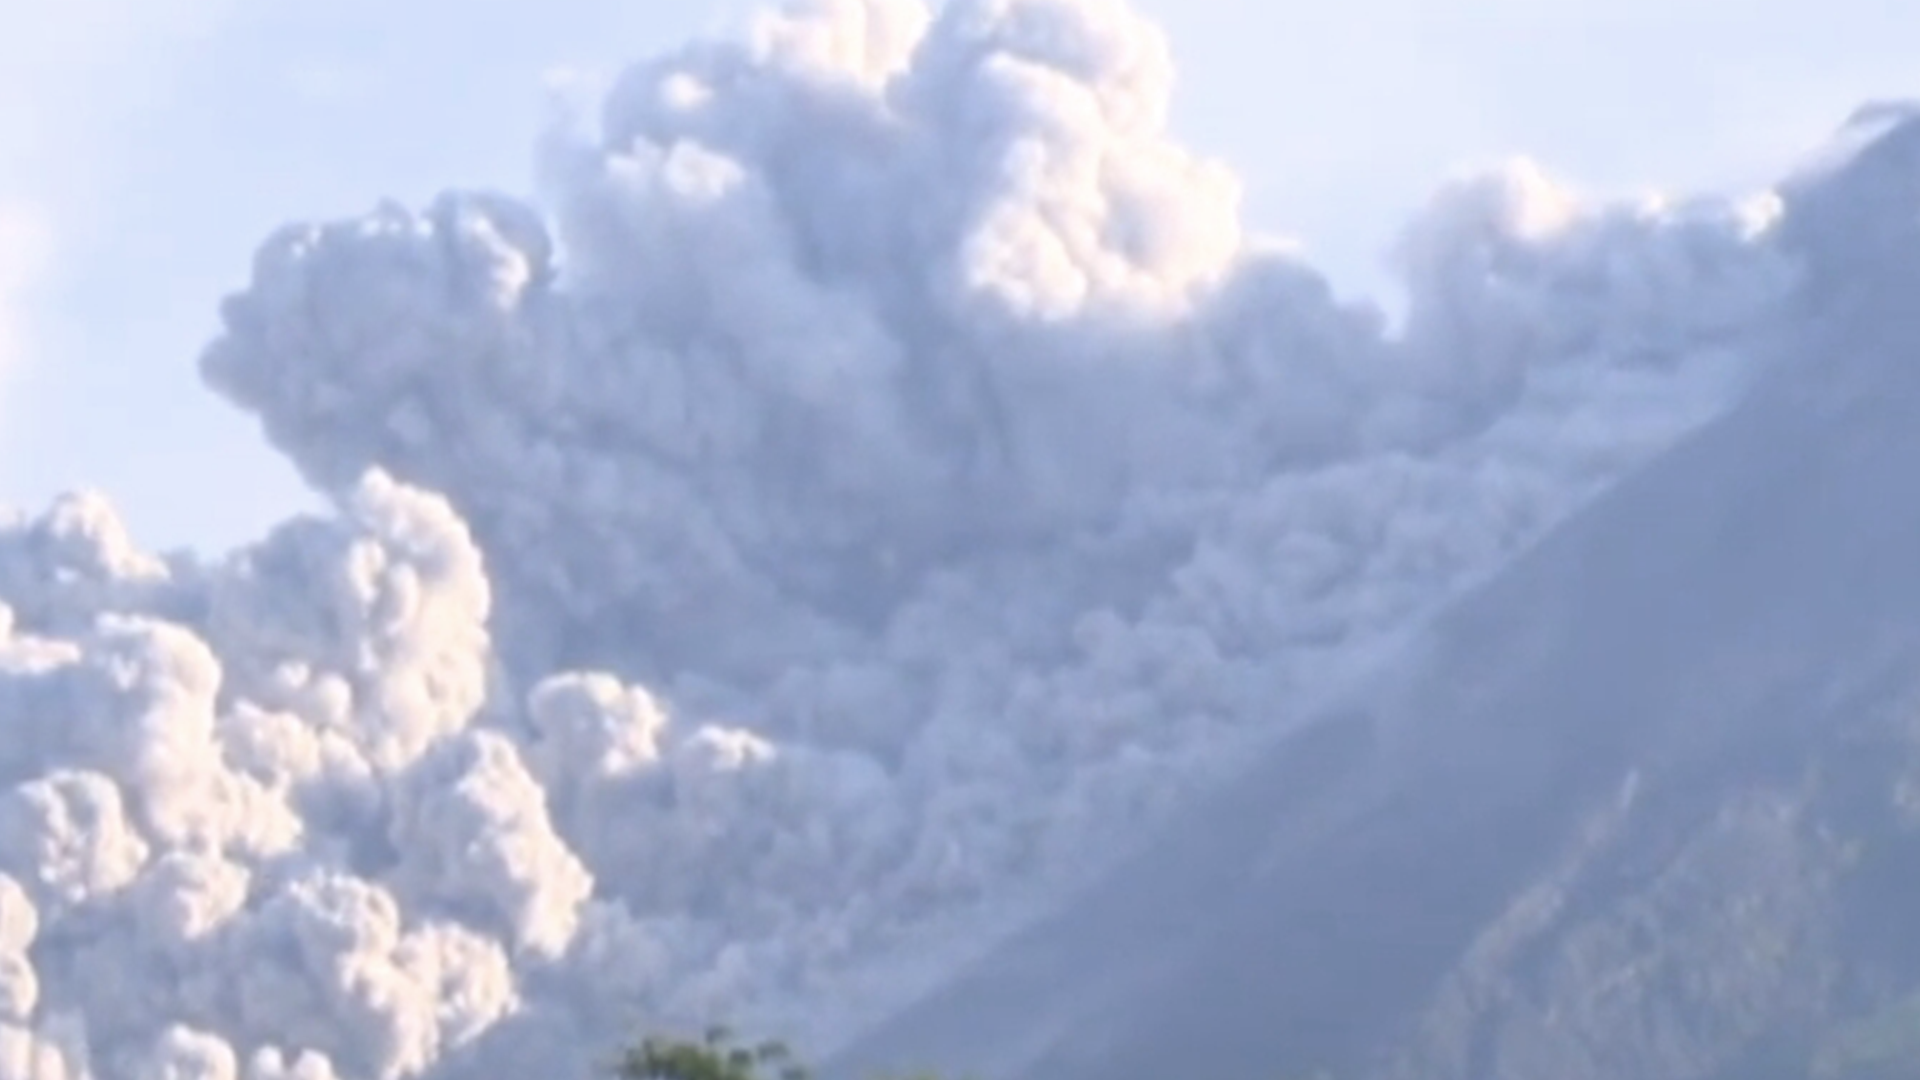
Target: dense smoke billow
{"x": 876, "y": 480}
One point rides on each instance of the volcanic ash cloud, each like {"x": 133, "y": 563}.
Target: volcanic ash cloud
{"x": 877, "y": 478}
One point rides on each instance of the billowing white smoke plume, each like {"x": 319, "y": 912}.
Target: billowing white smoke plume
{"x": 880, "y": 472}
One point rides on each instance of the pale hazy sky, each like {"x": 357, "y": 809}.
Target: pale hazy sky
{"x": 146, "y": 146}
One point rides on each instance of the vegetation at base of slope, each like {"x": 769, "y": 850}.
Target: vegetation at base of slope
{"x": 719, "y": 1055}
{"x": 1885, "y": 1046}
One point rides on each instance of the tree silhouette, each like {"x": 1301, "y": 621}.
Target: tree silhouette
{"x": 717, "y": 1055}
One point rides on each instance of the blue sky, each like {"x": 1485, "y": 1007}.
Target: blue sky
{"x": 146, "y": 146}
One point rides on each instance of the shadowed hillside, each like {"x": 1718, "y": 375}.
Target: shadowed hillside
{"x": 1647, "y": 805}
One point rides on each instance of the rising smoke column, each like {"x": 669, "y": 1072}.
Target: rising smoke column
{"x": 879, "y": 471}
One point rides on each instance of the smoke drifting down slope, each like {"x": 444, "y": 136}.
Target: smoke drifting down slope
{"x": 880, "y": 471}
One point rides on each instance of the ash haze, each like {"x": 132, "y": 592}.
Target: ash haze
{"x": 177, "y": 133}
{"x": 867, "y": 478}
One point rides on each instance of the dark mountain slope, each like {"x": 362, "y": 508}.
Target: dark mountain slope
{"x": 1646, "y": 806}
